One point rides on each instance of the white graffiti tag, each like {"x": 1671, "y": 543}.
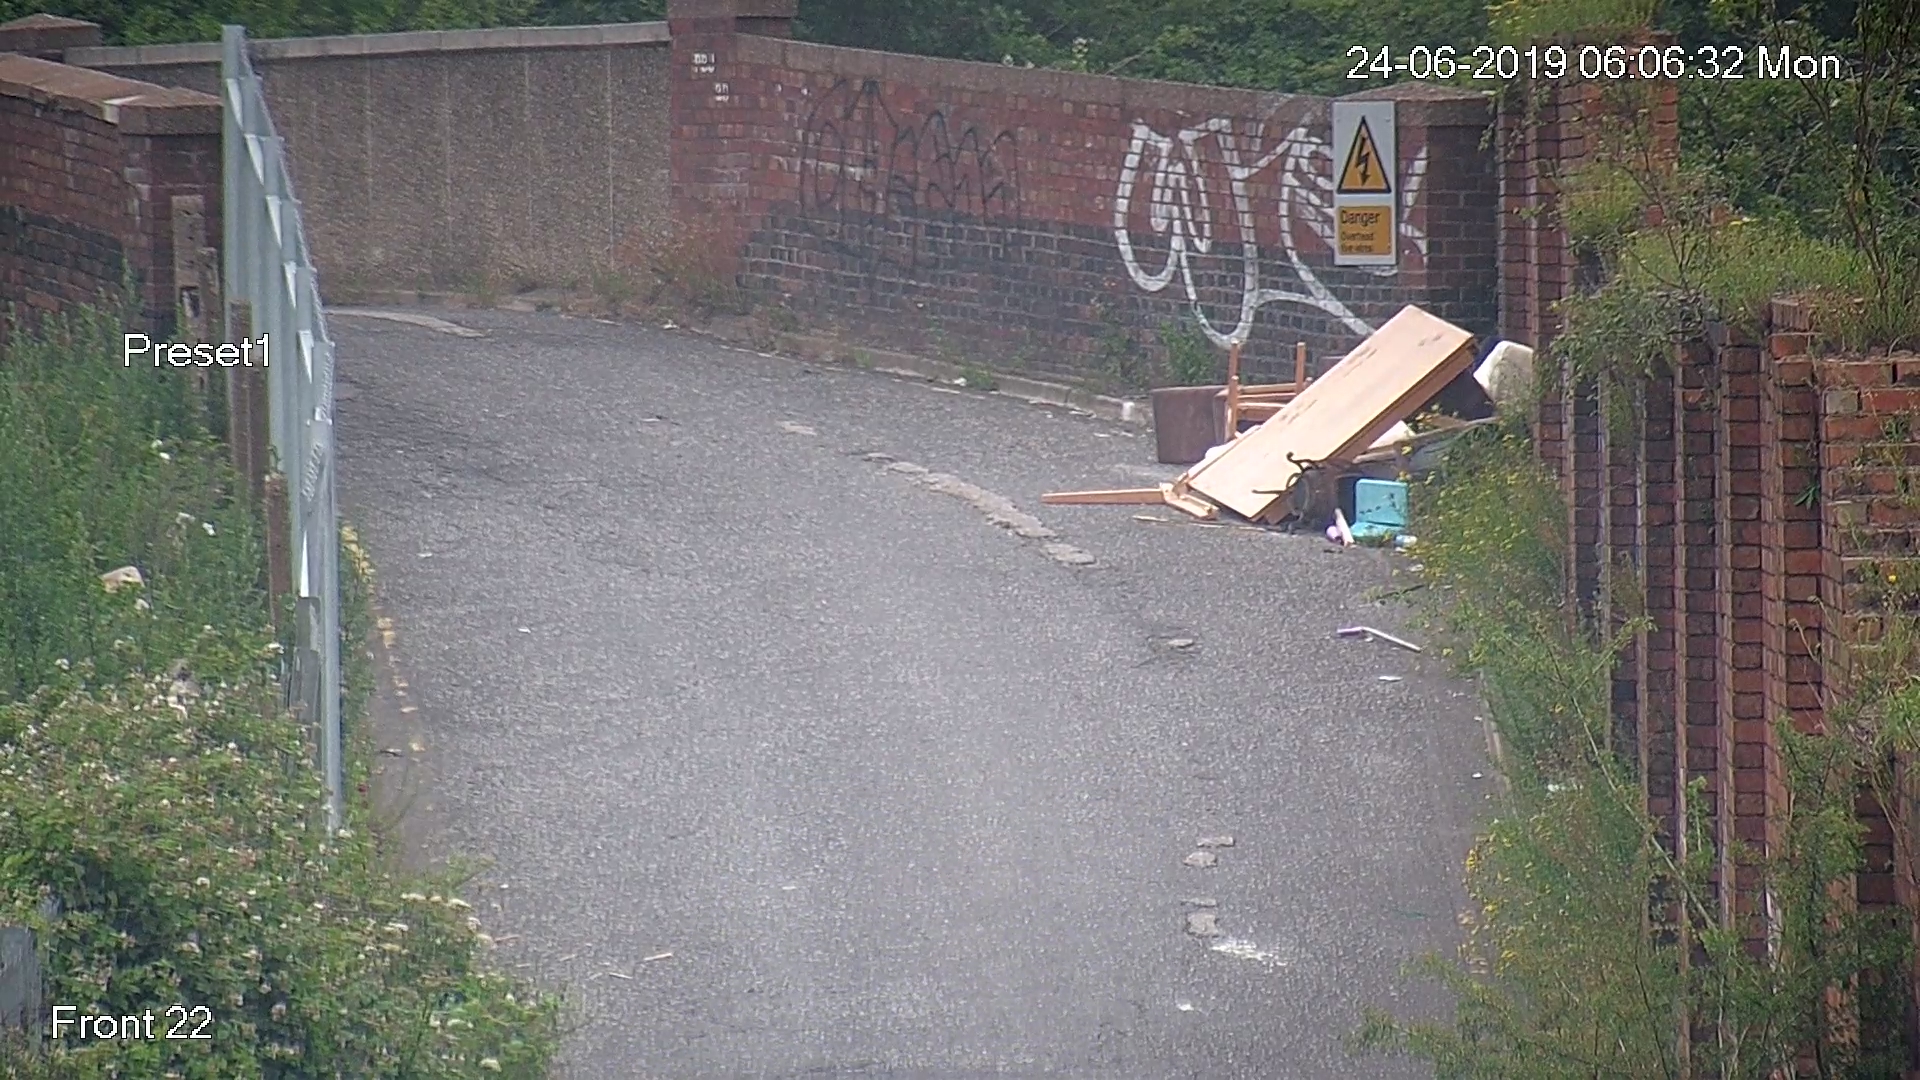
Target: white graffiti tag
{"x": 1182, "y": 215}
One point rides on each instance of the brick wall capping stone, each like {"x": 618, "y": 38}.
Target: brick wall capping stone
{"x": 46, "y": 34}
{"x": 137, "y": 108}
{"x": 402, "y": 44}
{"x": 1433, "y": 104}
{"x": 1724, "y": 334}
{"x": 1790, "y": 313}
{"x": 1109, "y": 91}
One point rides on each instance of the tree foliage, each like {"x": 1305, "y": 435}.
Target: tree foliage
{"x": 145, "y": 22}
{"x": 1296, "y": 46}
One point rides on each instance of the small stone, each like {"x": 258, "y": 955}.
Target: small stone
{"x": 1201, "y": 901}
{"x": 1067, "y": 554}
{"x": 1215, "y": 841}
{"x": 1181, "y": 643}
{"x": 1202, "y": 859}
{"x": 792, "y": 428}
{"x": 1203, "y": 924}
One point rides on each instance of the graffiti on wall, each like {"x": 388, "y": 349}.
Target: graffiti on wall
{"x": 876, "y": 183}
{"x": 1185, "y": 216}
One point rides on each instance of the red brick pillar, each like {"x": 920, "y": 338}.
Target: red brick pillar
{"x": 1698, "y": 600}
{"x": 1797, "y": 622}
{"x": 1748, "y": 761}
{"x": 1870, "y": 449}
{"x": 47, "y": 37}
{"x": 1659, "y": 662}
{"x": 715, "y": 146}
{"x": 1623, "y": 554}
{"x": 104, "y": 166}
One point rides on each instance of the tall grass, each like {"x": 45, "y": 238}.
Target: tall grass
{"x": 104, "y": 466}
{"x": 152, "y": 784}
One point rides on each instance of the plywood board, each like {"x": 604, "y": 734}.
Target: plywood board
{"x": 1339, "y": 415}
{"x": 1107, "y": 497}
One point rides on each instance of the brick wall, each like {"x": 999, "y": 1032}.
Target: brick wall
{"x": 462, "y": 160}
{"x": 1036, "y": 219}
{"x": 97, "y": 171}
{"x": 1767, "y": 504}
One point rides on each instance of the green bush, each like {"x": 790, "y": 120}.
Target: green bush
{"x": 1191, "y": 358}
{"x": 1593, "y": 939}
{"x": 151, "y": 785}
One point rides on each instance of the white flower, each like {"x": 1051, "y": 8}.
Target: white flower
{"x": 155, "y": 445}
{"x": 183, "y": 518}
{"x": 207, "y": 525}
{"x": 458, "y": 904}
{"x": 490, "y": 1064}
{"x": 202, "y": 882}
{"x": 62, "y": 664}
{"x": 412, "y": 897}
{"x": 164, "y": 456}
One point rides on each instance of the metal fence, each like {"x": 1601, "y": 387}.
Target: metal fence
{"x": 268, "y": 269}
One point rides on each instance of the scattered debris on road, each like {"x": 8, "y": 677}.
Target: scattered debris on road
{"x": 1203, "y": 924}
{"x": 657, "y": 956}
{"x": 1339, "y": 531}
{"x": 1246, "y": 950}
{"x": 1371, "y": 634}
{"x": 793, "y": 428}
{"x": 1215, "y": 841}
{"x": 1201, "y": 859}
{"x": 1390, "y": 678}
{"x": 1201, "y": 901}
{"x": 1355, "y": 414}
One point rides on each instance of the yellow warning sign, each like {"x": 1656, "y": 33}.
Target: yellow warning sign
{"x": 1364, "y": 172}
{"x": 1365, "y": 230}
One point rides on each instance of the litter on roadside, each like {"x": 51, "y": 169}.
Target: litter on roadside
{"x": 1370, "y": 633}
{"x": 1368, "y": 420}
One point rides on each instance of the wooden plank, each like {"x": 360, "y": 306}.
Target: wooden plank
{"x": 1199, "y": 508}
{"x": 1233, "y": 390}
{"x": 1339, "y": 415}
{"x": 1107, "y": 497}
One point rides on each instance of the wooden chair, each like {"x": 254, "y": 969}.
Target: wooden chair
{"x": 1259, "y": 401}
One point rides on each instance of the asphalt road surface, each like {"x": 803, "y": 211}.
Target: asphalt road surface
{"x": 783, "y": 670}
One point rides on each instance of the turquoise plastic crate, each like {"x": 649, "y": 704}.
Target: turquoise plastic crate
{"x": 1379, "y": 508}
